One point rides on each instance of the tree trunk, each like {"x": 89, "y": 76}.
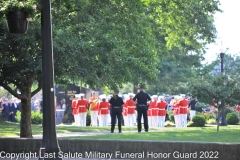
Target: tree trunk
{"x": 135, "y": 88}
{"x": 26, "y": 122}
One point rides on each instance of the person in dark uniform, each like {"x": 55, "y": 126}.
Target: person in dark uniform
{"x": 142, "y": 99}
{"x": 192, "y": 106}
{"x": 116, "y": 111}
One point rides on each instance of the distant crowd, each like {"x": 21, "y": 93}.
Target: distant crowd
{"x": 9, "y": 107}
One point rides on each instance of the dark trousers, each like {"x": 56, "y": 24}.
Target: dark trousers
{"x": 116, "y": 112}
{"x": 142, "y": 112}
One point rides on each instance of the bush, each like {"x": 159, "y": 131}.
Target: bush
{"x": 227, "y": 110}
{"x": 232, "y": 118}
{"x": 199, "y": 121}
{"x": 211, "y": 121}
{"x": 210, "y": 116}
{"x": 18, "y": 116}
{"x": 190, "y": 124}
{"x": 36, "y": 117}
{"x": 88, "y": 118}
{"x": 171, "y": 118}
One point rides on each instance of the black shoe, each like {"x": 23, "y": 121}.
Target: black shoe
{"x": 139, "y": 131}
{"x": 111, "y": 131}
{"x": 146, "y": 130}
{"x": 120, "y": 132}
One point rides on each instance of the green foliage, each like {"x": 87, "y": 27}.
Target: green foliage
{"x": 88, "y": 118}
{"x": 227, "y": 110}
{"x": 232, "y": 118}
{"x": 171, "y": 118}
{"x": 191, "y": 124}
{"x": 18, "y": 116}
{"x": 218, "y": 90}
{"x": 198, "y": 121}
{"x": 211, "y": 121}
{"x": 200, "y": 106}
{"x": 207, "y": 115}
{"x": 28, "y": 7}
{"x": 95, "y": 41}
{"x": 36, "y": 117}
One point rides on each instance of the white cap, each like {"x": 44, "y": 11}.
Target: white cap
{"x": 182, "y": 95}
{"x": 77, "y": 95}
{"x": 81, "y": 94}
{"x": 131, "y": 94}
{"x": 161, "y": 97}
{"x": 103, "y": 96}
{"x": 154, "y": 96}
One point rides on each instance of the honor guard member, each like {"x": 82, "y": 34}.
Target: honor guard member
{"x": 104, "y": 107}
{"x": 131, "y": 105}
{"x": 75, "y": 110}
{"x": 116, "y": 111}
{"x": 142, "y": 99}
{"x": 149, "y": 113}
{"x": 99, "y": 118}
{"x": 125, "y": 110}
{"x": 176, "y": 111}
{"x": 162, "y": 111}
{"x": 82, "y": 105}
{"x": 154, "y": 110}
{"x": 94, "y": 109}
{"x": 125, "y": 115}
{"x": 183, "y": 111}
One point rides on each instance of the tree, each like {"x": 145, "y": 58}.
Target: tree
{"x": 175, "y": 72}
{"x": 102, "y": 43}
{"x": 218, "y": 90}
{"x": 101, "y": 52}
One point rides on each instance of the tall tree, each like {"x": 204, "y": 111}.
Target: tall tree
{"x": 107, "y": 42}
{"x": 219, "y": 91}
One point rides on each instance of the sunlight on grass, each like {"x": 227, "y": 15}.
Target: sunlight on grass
{"x": 227, "y": 134}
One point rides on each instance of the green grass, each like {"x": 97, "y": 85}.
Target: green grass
{"x": 193, "y": 134}
{"x": 227, "y": 134}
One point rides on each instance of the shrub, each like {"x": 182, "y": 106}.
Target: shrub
{"x": 190, "y": 124}
{"x": 88, "y": 118}
{"x": 171, "y": 118}
{"x": 211, "y": 121}
{"x": 210, "y": 116}
{"x": 232, "y": 118}
{"x": 36, "y": 117}
{"x": 199, "y": 121}
{"x": 18, "y": 116}
{"x": 227, "y": 110}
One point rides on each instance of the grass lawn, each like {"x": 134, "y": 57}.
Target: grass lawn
{"x": 190, "y": 134}
{"x": 227, "y": 134}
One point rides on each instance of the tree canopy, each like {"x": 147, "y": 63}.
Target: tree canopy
{"x": 103, "y": 43}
